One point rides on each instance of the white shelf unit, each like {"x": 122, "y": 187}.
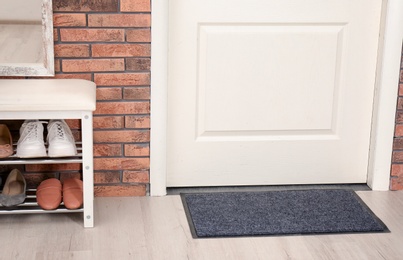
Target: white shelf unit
{"x": 47, "y": 99}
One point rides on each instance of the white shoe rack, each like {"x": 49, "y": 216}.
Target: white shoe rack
{"x": 45, "y": 100}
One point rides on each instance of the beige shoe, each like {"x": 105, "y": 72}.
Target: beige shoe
{"x": 14, "y": 189}
{"x": 6, "y": 142}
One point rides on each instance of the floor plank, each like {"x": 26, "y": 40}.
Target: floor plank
{"x": 156, "y": 228}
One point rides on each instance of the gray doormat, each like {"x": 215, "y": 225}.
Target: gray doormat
{"x": 288, "y": 212}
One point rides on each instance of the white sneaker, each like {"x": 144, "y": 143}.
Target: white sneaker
{"x": 60, "y": 139}
{"x": 31, "y": 142}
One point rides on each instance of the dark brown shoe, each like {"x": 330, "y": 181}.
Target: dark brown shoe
{"x": 49, "y": 194}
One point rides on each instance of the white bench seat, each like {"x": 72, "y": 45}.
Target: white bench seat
{"x": 47, "y": 95}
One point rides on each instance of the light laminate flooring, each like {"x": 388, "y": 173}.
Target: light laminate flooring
{"x": 156, "y": 228}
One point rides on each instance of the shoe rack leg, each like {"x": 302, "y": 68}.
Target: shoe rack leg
{"x": 88, "y": 170}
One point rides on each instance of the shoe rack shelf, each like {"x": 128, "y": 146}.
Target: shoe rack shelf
{"x": 30, "y": 206}
{"x": 22, "y": 99}
{"x": 14, "y": 160}
{"x": 41, "y": 161}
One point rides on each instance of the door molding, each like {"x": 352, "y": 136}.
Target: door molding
{"x": 385, "y": 98}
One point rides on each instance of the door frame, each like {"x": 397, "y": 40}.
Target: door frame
{"x": 385, "y": 96}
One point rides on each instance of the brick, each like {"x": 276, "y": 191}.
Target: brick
{"x": 108, "y": 122}
{"x": 396, "y": 184}
{"x": 34, "y": 179}
{"x": 92, "y": 35}
{"x": 137, "y": 121}
{"x": 400, "y": 89}
{"x": 106, "y": 177}
{"x": 107, "y": 150}
{"x": 122, "y": 136}
{"x": 138, "y": 64}
{"x": 76, "y": 135}
{"x": 120, "y": 191}
{"x": 116, "y": 164}
{"x": 119, "y": 20}
{"x": 57, "y": 65}
{"x": 86, "y": 5}
{"x": 135, "y": 5}
{"x": 93, "y": 65}
{"x": 401, "y": 76}
{"x": 73, "y": 123}
{"x": 398, "y": 130}
{"x": 400, "y": 103}
{"x": 73, "y": 76}
{"x": 122, "y": 108}
{"x": 52, "y": 167}
{"x": 137, "y": 150}
{"x": 113, "y": 93}
{"x": 55, "y": 35}
{"x": 399, "y": 117}
{"x": 397, "y": 157}
{"x": 69, "y": 175}
{"x": 122, "y": 79}
{"x": 397, "y": 170}
{"x": 138, "y": 35}
{"x": 63, "y": 20}
{"x": 72, "y": 50}
{"x": 398, "y": 144}
{"x": 139, "y": 93}
{"x": 121, "y": 50}
{"x": 136, "y": 176}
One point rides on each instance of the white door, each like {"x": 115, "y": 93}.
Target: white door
{"x": 265, "y": 92}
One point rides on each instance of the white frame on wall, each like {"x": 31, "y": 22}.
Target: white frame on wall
{"x": 46, "y": 66}
{"x": 385, "y": 99}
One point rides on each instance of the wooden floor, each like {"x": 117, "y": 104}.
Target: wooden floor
{"x": 156, "y": 228}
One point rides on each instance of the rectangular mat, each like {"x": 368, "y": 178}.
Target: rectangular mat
{"x": 288, "y": 212}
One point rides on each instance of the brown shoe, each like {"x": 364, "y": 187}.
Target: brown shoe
{"x": 73, "y": 193}
{"x": 14, "y": 189}
{"x": 49, "y": 194}
{"x": 6, "y": 142}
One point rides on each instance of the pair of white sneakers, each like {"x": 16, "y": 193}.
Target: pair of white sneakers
{"x": 60, "y": 140}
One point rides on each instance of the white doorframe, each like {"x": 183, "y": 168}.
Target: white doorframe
{"x": 383, "y": 122}
{"x": 383, "y": 119}
{"x": 159, "y": 96}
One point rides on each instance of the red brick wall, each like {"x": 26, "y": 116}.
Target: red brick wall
{"x": 397, "y": 158}
{"x": 108, "y": 42}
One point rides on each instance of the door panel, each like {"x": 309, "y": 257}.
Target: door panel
{"x": 268, "y": 69}
{"x": 262, "y": 92}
